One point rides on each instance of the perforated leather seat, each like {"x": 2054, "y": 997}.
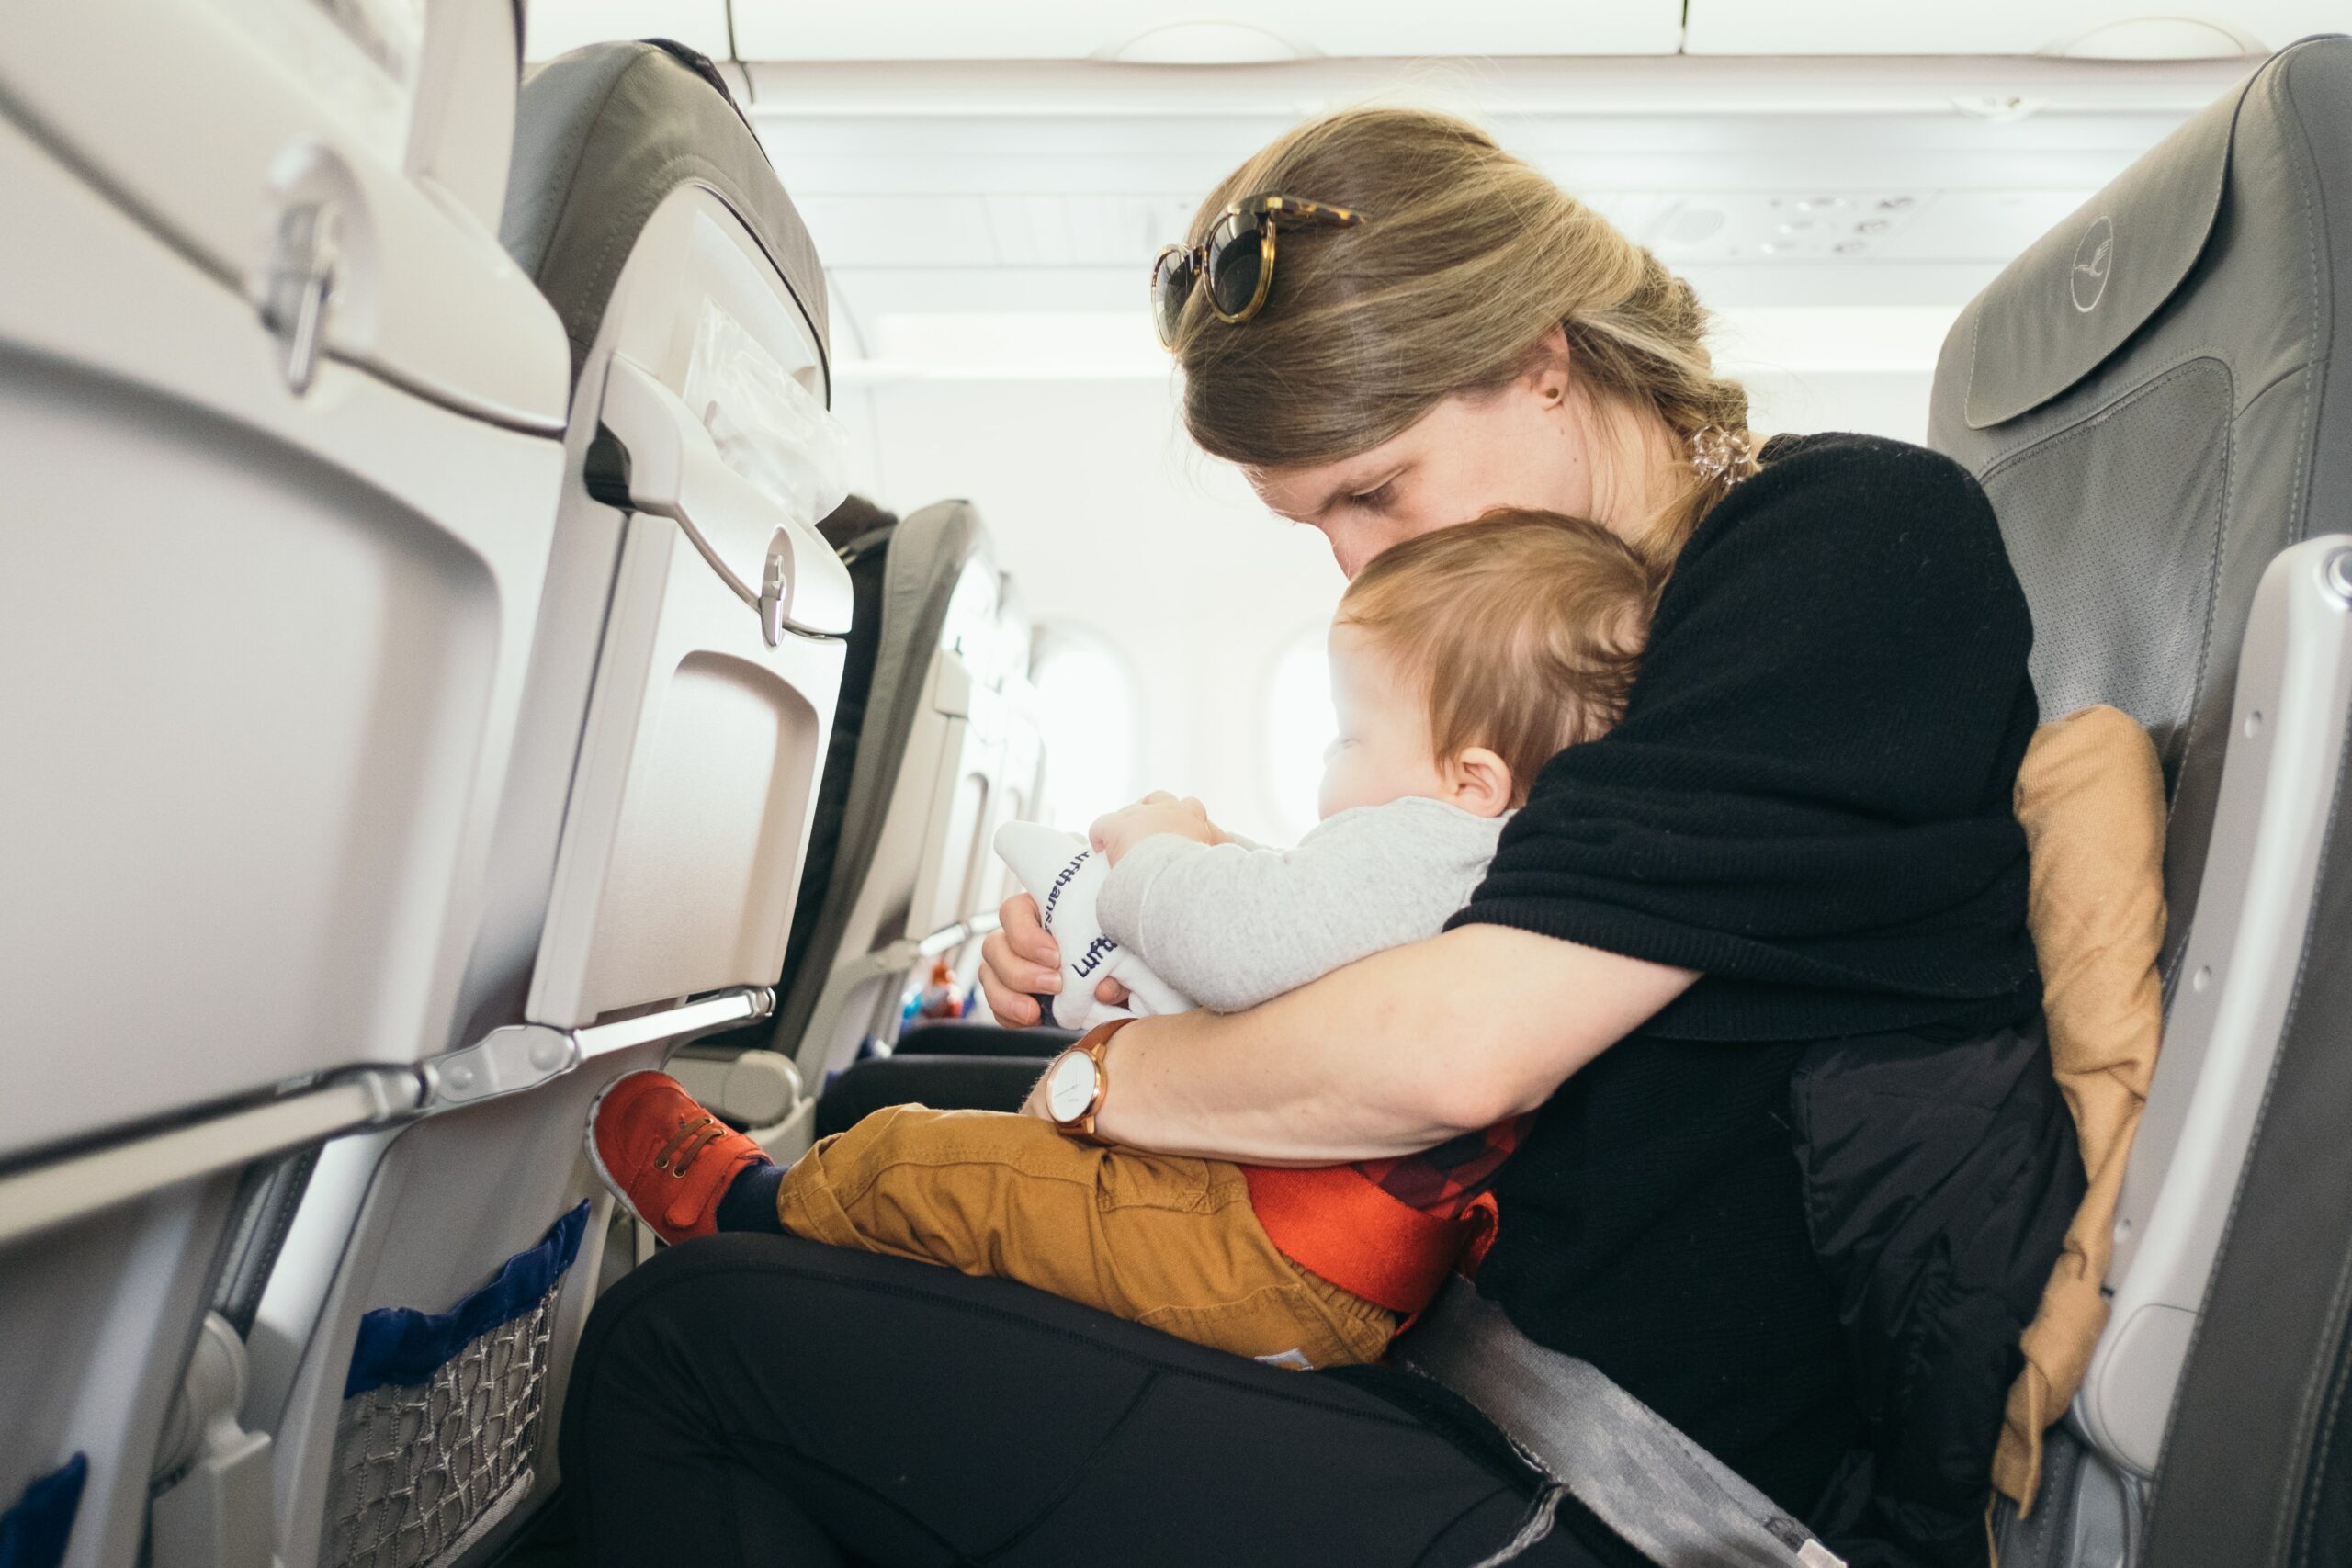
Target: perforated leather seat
{"x": 2157, "y": 399}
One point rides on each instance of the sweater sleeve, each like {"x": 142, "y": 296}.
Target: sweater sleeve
{"x": 1808, "y": 799}
{"x": 1232, "y": 926}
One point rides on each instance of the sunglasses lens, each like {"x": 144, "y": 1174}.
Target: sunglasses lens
{"x": 1236, "y": 260}
{"x": 1171, "y": 280}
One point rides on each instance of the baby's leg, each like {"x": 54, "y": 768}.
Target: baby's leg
{"x": 1166, "y": 1242}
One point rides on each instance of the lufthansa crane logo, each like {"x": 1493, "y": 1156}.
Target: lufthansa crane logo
{"x": 2094, "y": 260}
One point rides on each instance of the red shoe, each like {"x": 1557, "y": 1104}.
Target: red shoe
{"x": 666, "y": 1158}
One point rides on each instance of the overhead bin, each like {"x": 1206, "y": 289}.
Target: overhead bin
{"x": 1158, "y": 31}
{"x": 2128, "y": 29}
{"x": 556, "y": 27}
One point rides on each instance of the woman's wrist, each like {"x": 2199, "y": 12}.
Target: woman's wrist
{"x": 1035, "y": 1104}
{"x": 1119, "y": 1056}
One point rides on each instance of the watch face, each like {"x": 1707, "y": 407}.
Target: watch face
{"x": 1070, "y": 1086}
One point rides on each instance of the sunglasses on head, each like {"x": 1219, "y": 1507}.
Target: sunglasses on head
{"x": 1237, "y": 259}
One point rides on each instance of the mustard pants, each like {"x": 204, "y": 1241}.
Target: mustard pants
{"x": 1169, "y": 1243}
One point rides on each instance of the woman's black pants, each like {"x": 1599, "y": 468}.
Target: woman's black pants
{"x": 763, "y": 1400}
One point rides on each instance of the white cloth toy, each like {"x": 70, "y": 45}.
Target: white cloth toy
{"x": 1065, "y": 875}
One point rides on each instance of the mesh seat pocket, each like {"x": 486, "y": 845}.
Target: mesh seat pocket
{"x": 441, "y": 1412}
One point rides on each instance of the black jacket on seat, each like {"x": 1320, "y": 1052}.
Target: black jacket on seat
{"x": 1940, "y": 1178}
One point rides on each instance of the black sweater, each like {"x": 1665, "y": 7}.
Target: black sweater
{"x": 1809, "y": 802}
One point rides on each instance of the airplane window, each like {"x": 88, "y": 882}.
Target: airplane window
{"x": 1091, "y": 723}
{"x": 1300, "y": 727}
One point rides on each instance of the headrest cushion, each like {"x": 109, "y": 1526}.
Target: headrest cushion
{"x": 2056, "y": 312}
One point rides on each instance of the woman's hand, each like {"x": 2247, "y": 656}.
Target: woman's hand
{"x": 1159, "y": 812}
{"x": 1021, "y": 962}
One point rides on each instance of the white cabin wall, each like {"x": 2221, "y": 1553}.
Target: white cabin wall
{"x": 1111, "y": 522}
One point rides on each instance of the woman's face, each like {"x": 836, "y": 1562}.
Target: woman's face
{"x": 1529, "y": 444}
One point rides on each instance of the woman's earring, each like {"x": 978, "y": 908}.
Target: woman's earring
{"x": 1718, "y": 452}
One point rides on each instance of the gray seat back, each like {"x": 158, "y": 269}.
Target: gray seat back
{"x": 889, "y": 857}
{"x": 2154, "y": 399}
{"x": 280, "y": 433}
{"x": 683, "y": 677}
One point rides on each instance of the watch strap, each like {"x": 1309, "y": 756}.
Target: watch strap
{"x": 1095, "y": 1043}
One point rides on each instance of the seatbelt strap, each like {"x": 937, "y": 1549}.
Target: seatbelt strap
{"x": 1672, "y": 1501}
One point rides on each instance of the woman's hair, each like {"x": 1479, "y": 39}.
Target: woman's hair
{"x": 1522, "y": 631}
{"x": 1468, "y": 258}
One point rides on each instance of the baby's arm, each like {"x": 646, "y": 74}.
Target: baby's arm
{"x": 1232, "y": 926}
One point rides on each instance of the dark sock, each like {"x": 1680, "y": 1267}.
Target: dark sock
{"x": 748, "y": 1203}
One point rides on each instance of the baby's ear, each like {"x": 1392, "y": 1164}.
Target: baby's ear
{"x": 1481, "y": 782}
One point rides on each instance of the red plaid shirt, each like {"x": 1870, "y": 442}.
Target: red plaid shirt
{"x": 1445, "y": 1181}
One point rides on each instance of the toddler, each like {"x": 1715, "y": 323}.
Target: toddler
{"x": 1461, "y": 661}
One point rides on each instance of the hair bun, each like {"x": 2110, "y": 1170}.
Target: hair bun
{"x": 1719, "y": 454}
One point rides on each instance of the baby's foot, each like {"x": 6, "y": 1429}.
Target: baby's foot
{"x": 667, "y": 1159}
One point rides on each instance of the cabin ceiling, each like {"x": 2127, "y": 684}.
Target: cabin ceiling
{"x": 1177, "y": 32}
{"x": 988, "y": 184}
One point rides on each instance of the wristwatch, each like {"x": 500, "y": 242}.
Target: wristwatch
{"x": 1076, "y": 1081}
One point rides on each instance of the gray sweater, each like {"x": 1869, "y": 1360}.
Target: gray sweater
{"x": 1233, "y": 925}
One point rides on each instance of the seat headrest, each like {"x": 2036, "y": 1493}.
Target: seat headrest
{"x": 2056, "y": 312}
{"x": 602, "y": 136}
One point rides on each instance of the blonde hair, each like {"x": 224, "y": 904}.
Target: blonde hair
{"x": 1522, "y": 631}
{"x": 1468, "y": 259}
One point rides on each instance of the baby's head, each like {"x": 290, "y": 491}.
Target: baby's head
{"x": 1462, "y": 660}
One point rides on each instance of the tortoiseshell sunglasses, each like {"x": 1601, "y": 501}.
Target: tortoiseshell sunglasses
{"x": 1237, "y": 259}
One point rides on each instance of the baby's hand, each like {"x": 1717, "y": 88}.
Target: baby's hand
{"x": 1159, "y": 812}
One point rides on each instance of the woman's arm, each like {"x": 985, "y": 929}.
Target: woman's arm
{"x": 1383, "y": 1057}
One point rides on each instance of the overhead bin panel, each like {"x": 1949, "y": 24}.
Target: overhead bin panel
{"x": 1160, "y": 32}
{"x": 2125, "y": 29}
{"x": 555, "y": 25}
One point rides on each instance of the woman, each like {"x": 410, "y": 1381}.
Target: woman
{"x": 1801, "y": 833}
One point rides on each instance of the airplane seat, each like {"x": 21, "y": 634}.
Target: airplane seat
{"x": 1022, "y": 797}
{"x": 411, "y": 1345}
{"x": 281, "y": 430}
{"x": 961, "y": 1059}
{"x": 860, "y": 532}
{"x": 2157, "y": 400}
{"x": 734, "y": 1071}
{"x": 921, "y": 797}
